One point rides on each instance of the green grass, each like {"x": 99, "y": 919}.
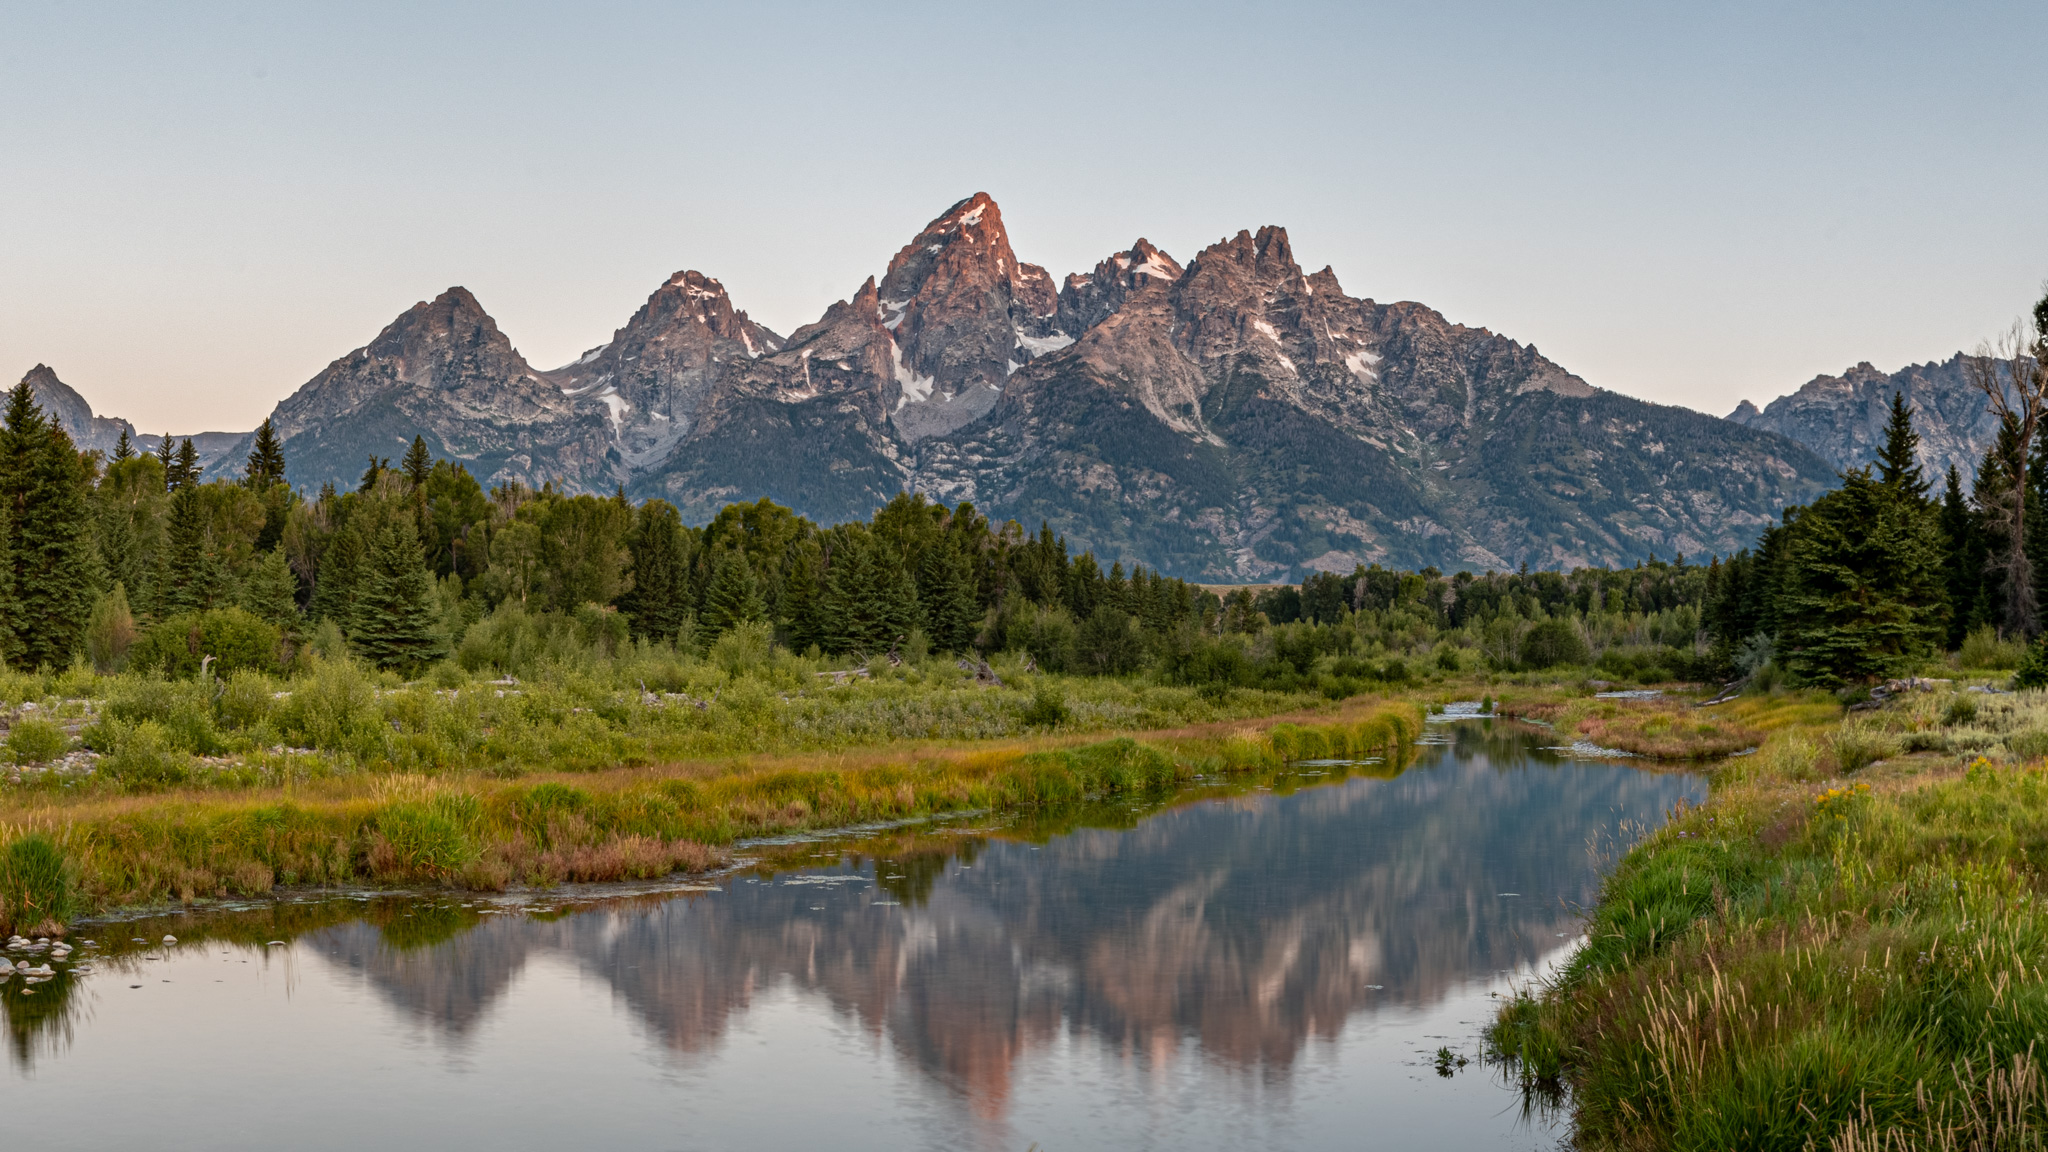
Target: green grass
{"x": 485, "y": 785}
{"x": 38, "y": 888}
{"x": 1813, "y": 957}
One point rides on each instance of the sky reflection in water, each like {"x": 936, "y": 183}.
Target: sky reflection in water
{"x": 1257, "y": 969}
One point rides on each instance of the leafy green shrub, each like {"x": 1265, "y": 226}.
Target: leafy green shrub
{"x": 1048, "y": 707}
{"x": 1296, "y": 646}
{"x": 234, "y": 638}
{"x": 34, "y": 741}
{"x": 1194, "y": 659}
{"x": 182, "y": 710}
{"x": 1110, "y": 643}
{"x": 2029, "y": 744}
{"x": 1984, "y": 648}
{"x": 2033, "y": 667}
{"x": 246, "y": 700}
{"x": 1549, "y": 643}
{"x": 38, "y": 887}
{"x": 333, "y": 707}
{"x": 110, "y": 632}
{"x": 603, "y": 629}
{"x": 144, "y": 758}
{"x": 513, "y": 640}
{"x": 745, "y": 647}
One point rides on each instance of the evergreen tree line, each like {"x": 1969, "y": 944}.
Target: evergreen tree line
{"x": 96, "y": 552}
{"x": 1880, "y": 574}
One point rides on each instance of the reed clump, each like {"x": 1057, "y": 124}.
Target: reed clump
{"x": 38, "y": 886}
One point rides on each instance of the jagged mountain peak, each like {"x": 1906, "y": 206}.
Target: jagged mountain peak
{"x": 422, "y": 332}
{"x": 963, "y": 313}
{"x": 1089, "y": 298}
{"x": 62, "y": 403}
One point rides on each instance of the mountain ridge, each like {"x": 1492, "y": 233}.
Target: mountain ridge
{"x": 1235, "y": 417}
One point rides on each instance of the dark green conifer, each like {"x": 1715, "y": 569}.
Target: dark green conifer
{"x": 271, "y": 592}
{"x": 418, "y": 464}
{"x": 191, "y": 577}
{"x": 1863, "y": 593}
{"x": 869, "y": 599}
{"x": 167, "y": 455}
{"x": 1963, "y": 560}
{"x": 800, "y": 597}
{"x": 658, "y": 602}
{"x": 185, "y": 467}
{"x": 266, "y": 459}
{"x": 395, "y": 623}
{"x": 334, "y": 594}
{"x": 46, "y": 485}
{"x": 734, "y": 596}
{"x": 945, "y": 590}
{"x": 123, "y": 450}
{"x": 10, "y": 604}
{"x": 1898, "y": 462}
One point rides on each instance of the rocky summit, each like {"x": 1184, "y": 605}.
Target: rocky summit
{"x": 1843, "y": 418}
{"x": 1232, "y": 418}
{"x": 62, "y": 403}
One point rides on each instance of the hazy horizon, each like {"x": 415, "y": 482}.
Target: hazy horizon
{"x": 205, "y": 207}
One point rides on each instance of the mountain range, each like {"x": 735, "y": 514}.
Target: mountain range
{"x": 1232, "y": 418}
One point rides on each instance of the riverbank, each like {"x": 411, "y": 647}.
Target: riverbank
{"x": 1843, "y": 948}
{"x": 476, "y": 831}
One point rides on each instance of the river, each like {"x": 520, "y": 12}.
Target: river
{"x": 1271, "y": 966}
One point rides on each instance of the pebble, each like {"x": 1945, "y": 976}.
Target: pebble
{"x": 170, "y": 939}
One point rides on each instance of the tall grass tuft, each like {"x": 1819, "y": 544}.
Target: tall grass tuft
{"x": 38, "y": 887}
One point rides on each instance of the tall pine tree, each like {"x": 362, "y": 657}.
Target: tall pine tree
{"x": 869, "y": 599}
{"x": 1963, "y": 560}
{"x": 266, "y": 459}
{"x": 1863, "y": 593}
{"x": 734, "y": 596}
{"x": 945, "y": 590}
{"x": 341, "y": 568}
{"x": 190, "y": 576}
{"x": 46, "y": 487}
{"x": 167, "y": 455}
{"x": 418, "y": 463}
{"x": 123, "y": 449}
{"x": 658, "y": 602}
{"x": 1898, "y": 462}
{"x": 1996, "y": 494}
{"x": 185, "y": 467}
{"x": 271, "y": 592}
{"x": 395, "y": 620}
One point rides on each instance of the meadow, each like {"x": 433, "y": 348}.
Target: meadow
{"x": 1843, "y": 948}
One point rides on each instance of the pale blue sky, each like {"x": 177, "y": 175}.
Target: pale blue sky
{"x": 202, "y": 205}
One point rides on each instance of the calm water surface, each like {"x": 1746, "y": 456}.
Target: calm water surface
{"x": 1267, "y": 967}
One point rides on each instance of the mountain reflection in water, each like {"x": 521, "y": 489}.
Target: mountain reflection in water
{"x": 1248, "y": 927}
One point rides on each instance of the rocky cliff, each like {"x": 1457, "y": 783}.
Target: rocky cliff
{"x": 1843, "y": 418}
{"x": 62, "y": 403}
